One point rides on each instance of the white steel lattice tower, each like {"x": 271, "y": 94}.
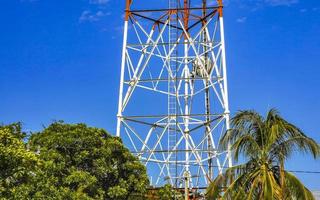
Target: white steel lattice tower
{"x": 173, "y": 99}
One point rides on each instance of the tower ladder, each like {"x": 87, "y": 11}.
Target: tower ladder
{"x": 172, "y": 95}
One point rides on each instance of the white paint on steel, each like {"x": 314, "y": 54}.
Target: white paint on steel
{"x": 144, "y": 74}
{"x": 123, "y": 63}
{"x": 225, "y": 83}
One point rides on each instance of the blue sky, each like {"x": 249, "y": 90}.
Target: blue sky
{"x": 61, "y": 60}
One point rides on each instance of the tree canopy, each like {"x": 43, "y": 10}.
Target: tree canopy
{"x": 69, "y": 161}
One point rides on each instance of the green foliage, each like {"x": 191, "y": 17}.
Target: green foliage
{"x": 266, "y": 143}
{"x": 17, "y": 164}
{"x": 68, "y": 162}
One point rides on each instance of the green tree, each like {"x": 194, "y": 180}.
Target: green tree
{"x": 265, "y": 143}
{"x": 81, "y": 162}
{"x": 17, "y": 164}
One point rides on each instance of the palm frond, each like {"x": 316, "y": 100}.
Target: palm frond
{"x": 301, "y": 144}
{"x": 215, "y": 188}
{"x": 245, "y": 122}
{"x": 246, "y": 145}
{"x": 295, "y": 189}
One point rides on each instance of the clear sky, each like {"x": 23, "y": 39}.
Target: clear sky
{"x": 60, "y": 60}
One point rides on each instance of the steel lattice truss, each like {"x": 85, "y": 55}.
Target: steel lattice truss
{"x": 173, "y": 102}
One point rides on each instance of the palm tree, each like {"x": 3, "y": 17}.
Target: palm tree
{"x": 265, "y": 143}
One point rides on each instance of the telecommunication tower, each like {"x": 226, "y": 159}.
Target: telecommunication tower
{"x": 173, "y": 98}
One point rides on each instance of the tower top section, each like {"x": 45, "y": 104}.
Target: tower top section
{"x": 156, "y": 5}
{"x": 140, "y": 4}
